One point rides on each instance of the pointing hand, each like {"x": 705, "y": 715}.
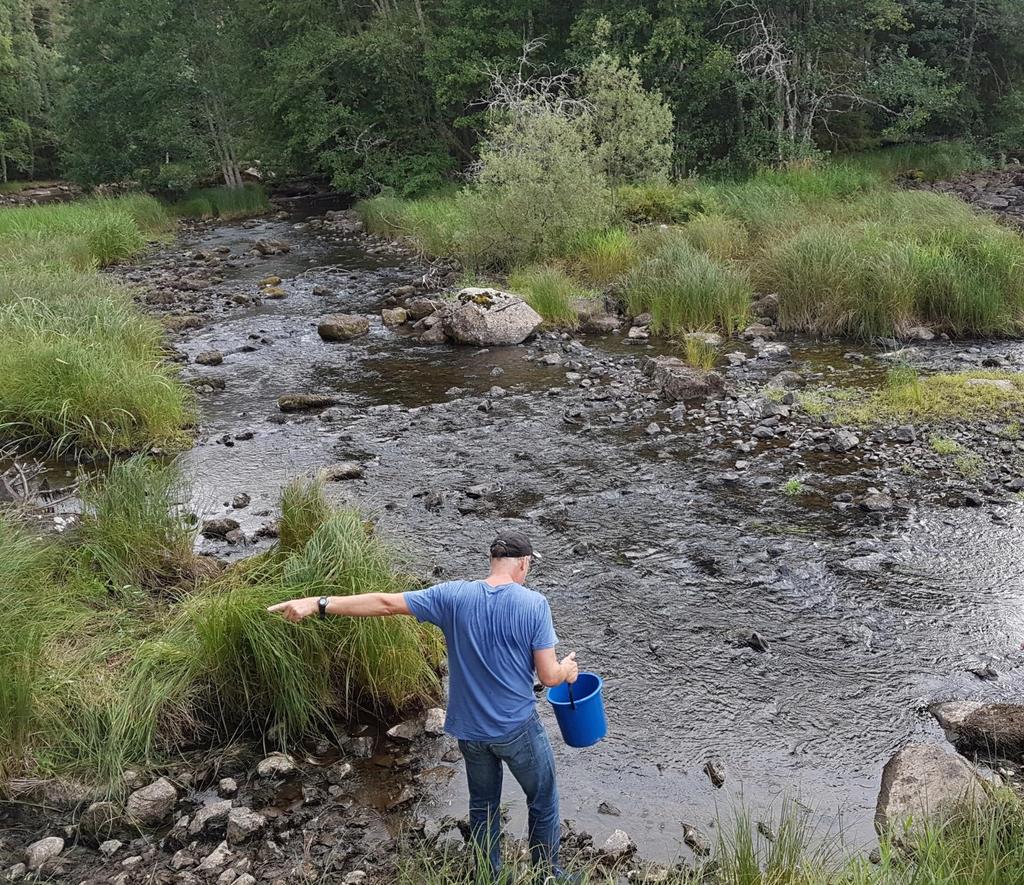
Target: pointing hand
{"x": 295, "y": 609}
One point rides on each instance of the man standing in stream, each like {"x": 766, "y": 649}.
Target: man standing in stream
{"x": 498, "y": 634}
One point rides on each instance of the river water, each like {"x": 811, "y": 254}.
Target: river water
{"x": 653, "y": 557}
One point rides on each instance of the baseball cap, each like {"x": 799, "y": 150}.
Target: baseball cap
{"x": 513, "y": 545}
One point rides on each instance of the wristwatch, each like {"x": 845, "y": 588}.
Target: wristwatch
{"x": 322, "y": 605}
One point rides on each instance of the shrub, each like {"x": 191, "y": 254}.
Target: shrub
{"x": 537, "y": 190}
{"x": 601, "y": 257}
{"x": 551, "y": 292}
{"x": 632, "y": 126}
{"x": 684, "y": 289}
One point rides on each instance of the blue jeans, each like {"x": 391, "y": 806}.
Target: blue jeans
{"x": 527, "y": 753}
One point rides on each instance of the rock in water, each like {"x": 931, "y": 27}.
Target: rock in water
{"x": 38, "y": 853}
{"x": 715, "y": 770}
{"x": 394, "y": 316}
{"x": 342, "y": 327}
{"x": 678, "y": 381}
{"x": 618, "y": 846}
{"x": 922, "y": 780}
{"x": 301, "y": 402}
{"x": 843, "y": 441}
{"x": 219, "y": 528}
{"x": 153, "y": 804}
{"x": 490, "y": 318}
{"x": 341, "y": 471}
{"x": 696, "y": 841}
{"x": 983, "y": 729}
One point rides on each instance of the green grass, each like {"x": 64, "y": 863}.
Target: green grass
{"x": 720, "y": 237}
{"x": 81, "y": 370}
{"x": 118, "y": 648}
{"x": 685, "y": 290}
{"x": 432, "y": 223}
{"x": 930, "y": 162}
{"x": 944, "y": 446}
{"x": 700, "y": 353}
{"x": 602, "y": 257}
{"x": 223, "y": 202}
{"x": 793, "y": 487}
{"x": 663, "y": 202}
{"x": 551, "y": 292}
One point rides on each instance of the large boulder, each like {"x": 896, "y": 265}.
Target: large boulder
{"x": 679, "y": 381}
{"x": 490, "y": 318}
{"x": 923, "y": 780}
{"x": 980, "y": 729}
{"x": 342, "y": 326}
{"x": 153, "y": 804}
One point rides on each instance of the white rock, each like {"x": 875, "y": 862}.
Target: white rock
{"x": 16, "y": 872}
{"x": 490, "y": 318}
{"x": 40, "y": 852}
{"x": 243, "y": 824}
{"x": 216, "y": 859}
{"x": 434, "y": 723}
{"x": 618, "y": 845}
{"x": 354, "y": 878}
{"x": 110, "y": 847}
{"x": 151, "y": 805}
{"x": 406, "y": 731}
{"x": 276, "y": 765}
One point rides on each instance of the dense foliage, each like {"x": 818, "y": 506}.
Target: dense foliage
{"x": 390, "y": 92}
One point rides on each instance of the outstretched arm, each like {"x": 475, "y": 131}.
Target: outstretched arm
{"x": 362, "y": 605}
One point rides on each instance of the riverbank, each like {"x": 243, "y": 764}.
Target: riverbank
{"x": 682, "y": 540}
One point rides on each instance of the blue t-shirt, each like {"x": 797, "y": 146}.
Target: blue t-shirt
{"x": 492, "y": 633}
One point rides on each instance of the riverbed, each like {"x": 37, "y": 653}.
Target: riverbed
{"x": 666, "y": 535}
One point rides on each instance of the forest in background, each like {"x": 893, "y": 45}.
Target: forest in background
{"x": 391, "y": 93}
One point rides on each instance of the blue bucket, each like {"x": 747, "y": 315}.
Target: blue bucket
{"x": 579, "y": 710}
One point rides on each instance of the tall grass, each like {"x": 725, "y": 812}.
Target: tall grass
{"x": 433, "y": 224}
{"x": 685, "y": 290}
{"x": 99, "y": 675}
{"x": 601, "y": 257}
{"x": 551, "y": 292}
{"x": 228, "y": 203}
{"x": 931, "y": 162}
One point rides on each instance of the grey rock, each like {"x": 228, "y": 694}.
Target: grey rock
{"x": 110, "y": 847}
{"x": 243, "y": 824}
{"x": 99, "y": 821}
{"x": 342, "y": 327}
{"x": 216, "y": 860}
{"x": 774, "y": 352}
{"x": 406, "y": 731}
{"x": 219, "y": 528}
{"x": 276, "y": 765}
{"x": 876, "y": 502}
{"x": 490, "y": 318}
{"x": 983, "y": 729}
{"x": 210, "y": 819}
{"x": 303, "y": 402}
{"x": 210, "y": 358}
{"x": 16, "y": 872}
{"x": 905, "y": 434}
{"x": 394, "y": 316}
{"x": 227, "y": 787}
{"x": 608, "y": 809}
{"x": 715, "y": 770}
{"x": 43, "y": 850}
{"x": 678, "y": 381}
{"x": 343, "y": 470}
{"x": 696, "y": 841}
{"x": 618, "y": 846}
{"x": 920, "y": 781}
{"x": 788, "y": 379}
{"x": 434, "y": 722}
{"x": 842, "y": 441}
{"x": 153, "y": 804}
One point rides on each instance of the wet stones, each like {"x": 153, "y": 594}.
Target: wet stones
{"x": 696, "y": 841}
{"x": 304, "y": 402}
{"x": 342, "y": 327}
{"x": 876, "y": 502}
{"x": 490, "y": 318}
{"x": 678, "y": 381}
{"x": 152, "y": 805}
{"x": 210, "y": 819}
{"x": 219, "y": 528}
{"x": 905, "y": 434}
{"x": 922, "y": 780}
{"x": 265, "y": 247}
{"x": 343, "y": 470}
{"x": 618, "y": 846}
{"x": 406, "y": 731}
{"x": 394, "y": 316}
{"x": 715, "y": 770}
{"x": 210, "y": 358}
{"x": 983, "y": 729}
{"x": 434, "y": 722}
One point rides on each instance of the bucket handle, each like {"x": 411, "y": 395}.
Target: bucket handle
{"x": 572, "y": 700}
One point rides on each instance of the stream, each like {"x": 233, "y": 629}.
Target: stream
{"x": 656, "y": 556}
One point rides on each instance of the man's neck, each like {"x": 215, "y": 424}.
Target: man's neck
{"x": 496, "y": 579}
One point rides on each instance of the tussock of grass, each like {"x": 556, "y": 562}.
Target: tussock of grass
{"x": 720, "y": 237}
{"x": 930, "y": 162}
{"x": 98, "y": 676}
{"x": 684, "y": 290}
{"x": 228, "y": 203}
{"x": 432, "y": 224}
{"x": 601, "y": 257}
{"x": 551, "y": 292}
{"x": 663, "y": 202}
{"x": 700, "y": 353}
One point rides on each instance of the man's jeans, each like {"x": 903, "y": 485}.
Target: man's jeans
{"x": 527, "y": 753}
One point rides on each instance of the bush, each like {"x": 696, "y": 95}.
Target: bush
{"x": 685, "y": 290}
{"x": 551, "y": 292}
{"x": 632, "y": 127}
{"x": 538, "y": 190}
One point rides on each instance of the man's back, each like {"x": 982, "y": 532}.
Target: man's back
{"x": 491, "y": 633}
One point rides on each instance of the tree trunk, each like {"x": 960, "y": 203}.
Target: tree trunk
{"x": 3, "y": 167}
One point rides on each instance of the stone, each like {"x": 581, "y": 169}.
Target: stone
{"x": 774, "y": 352}
{"x": 418, "y": 308}
{"x": 638, "y": 333}
{"x": 434, "y": 722}
{"x": 766, "y": 306}
{"x": 16, "y": 872}
{"x": 301, "y": 402}
{"x": 991, "y": 201}
{"x": 490, "y": 318}
{"x": 210, "y": 358}
{"x": 152, "y": 805}
{"x": 608, "y": 809}
{"x": 241, "y": 501}
{"x": 243, "y": 824}
{"x": 343, "y": 470}
{"x": 406, "y": 731}
{"x": 220, "y": 527}
{"x": 342, "y": 327}
{"x": 99, "y": 821}
{"x": 394, "y": 316}
{"x": 618, "y": 846}
{"x": 216, "y": 860}
{"x": 39, "y": 852}
{"x": 678, "y": 381}
{"x": 182, "y": 859}
{"x": 696, "y": 841}
{"x": 922, "y": 780}
{"x": 788, "y": 380}
{"x": 919, "y": 333}
{"x": 245, "y": 879}
{"x": 708, "y": 339}
{"x": 758, "y": 330}
{"x": 110, "y": 847}
{"x": 905, "y": 434}
{"x": 276, "y": 765}
{"x": 210, "y": 819}
{"x": 361, "y": 747}
{"x": 715, "y": 770}
{"x": 843, "y": 441}
{"x": 876, "y": 502}
{"x": 227, "y": 787}
{"x": 433, "y": 335}
{"x": 983, "y": 729}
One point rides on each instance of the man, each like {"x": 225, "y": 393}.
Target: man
{"x": 498, "y": 633}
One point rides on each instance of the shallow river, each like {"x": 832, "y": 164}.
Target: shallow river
{"x": 650, "y": 559}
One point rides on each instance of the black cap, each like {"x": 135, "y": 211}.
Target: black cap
{"x": 512, "y": 545}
